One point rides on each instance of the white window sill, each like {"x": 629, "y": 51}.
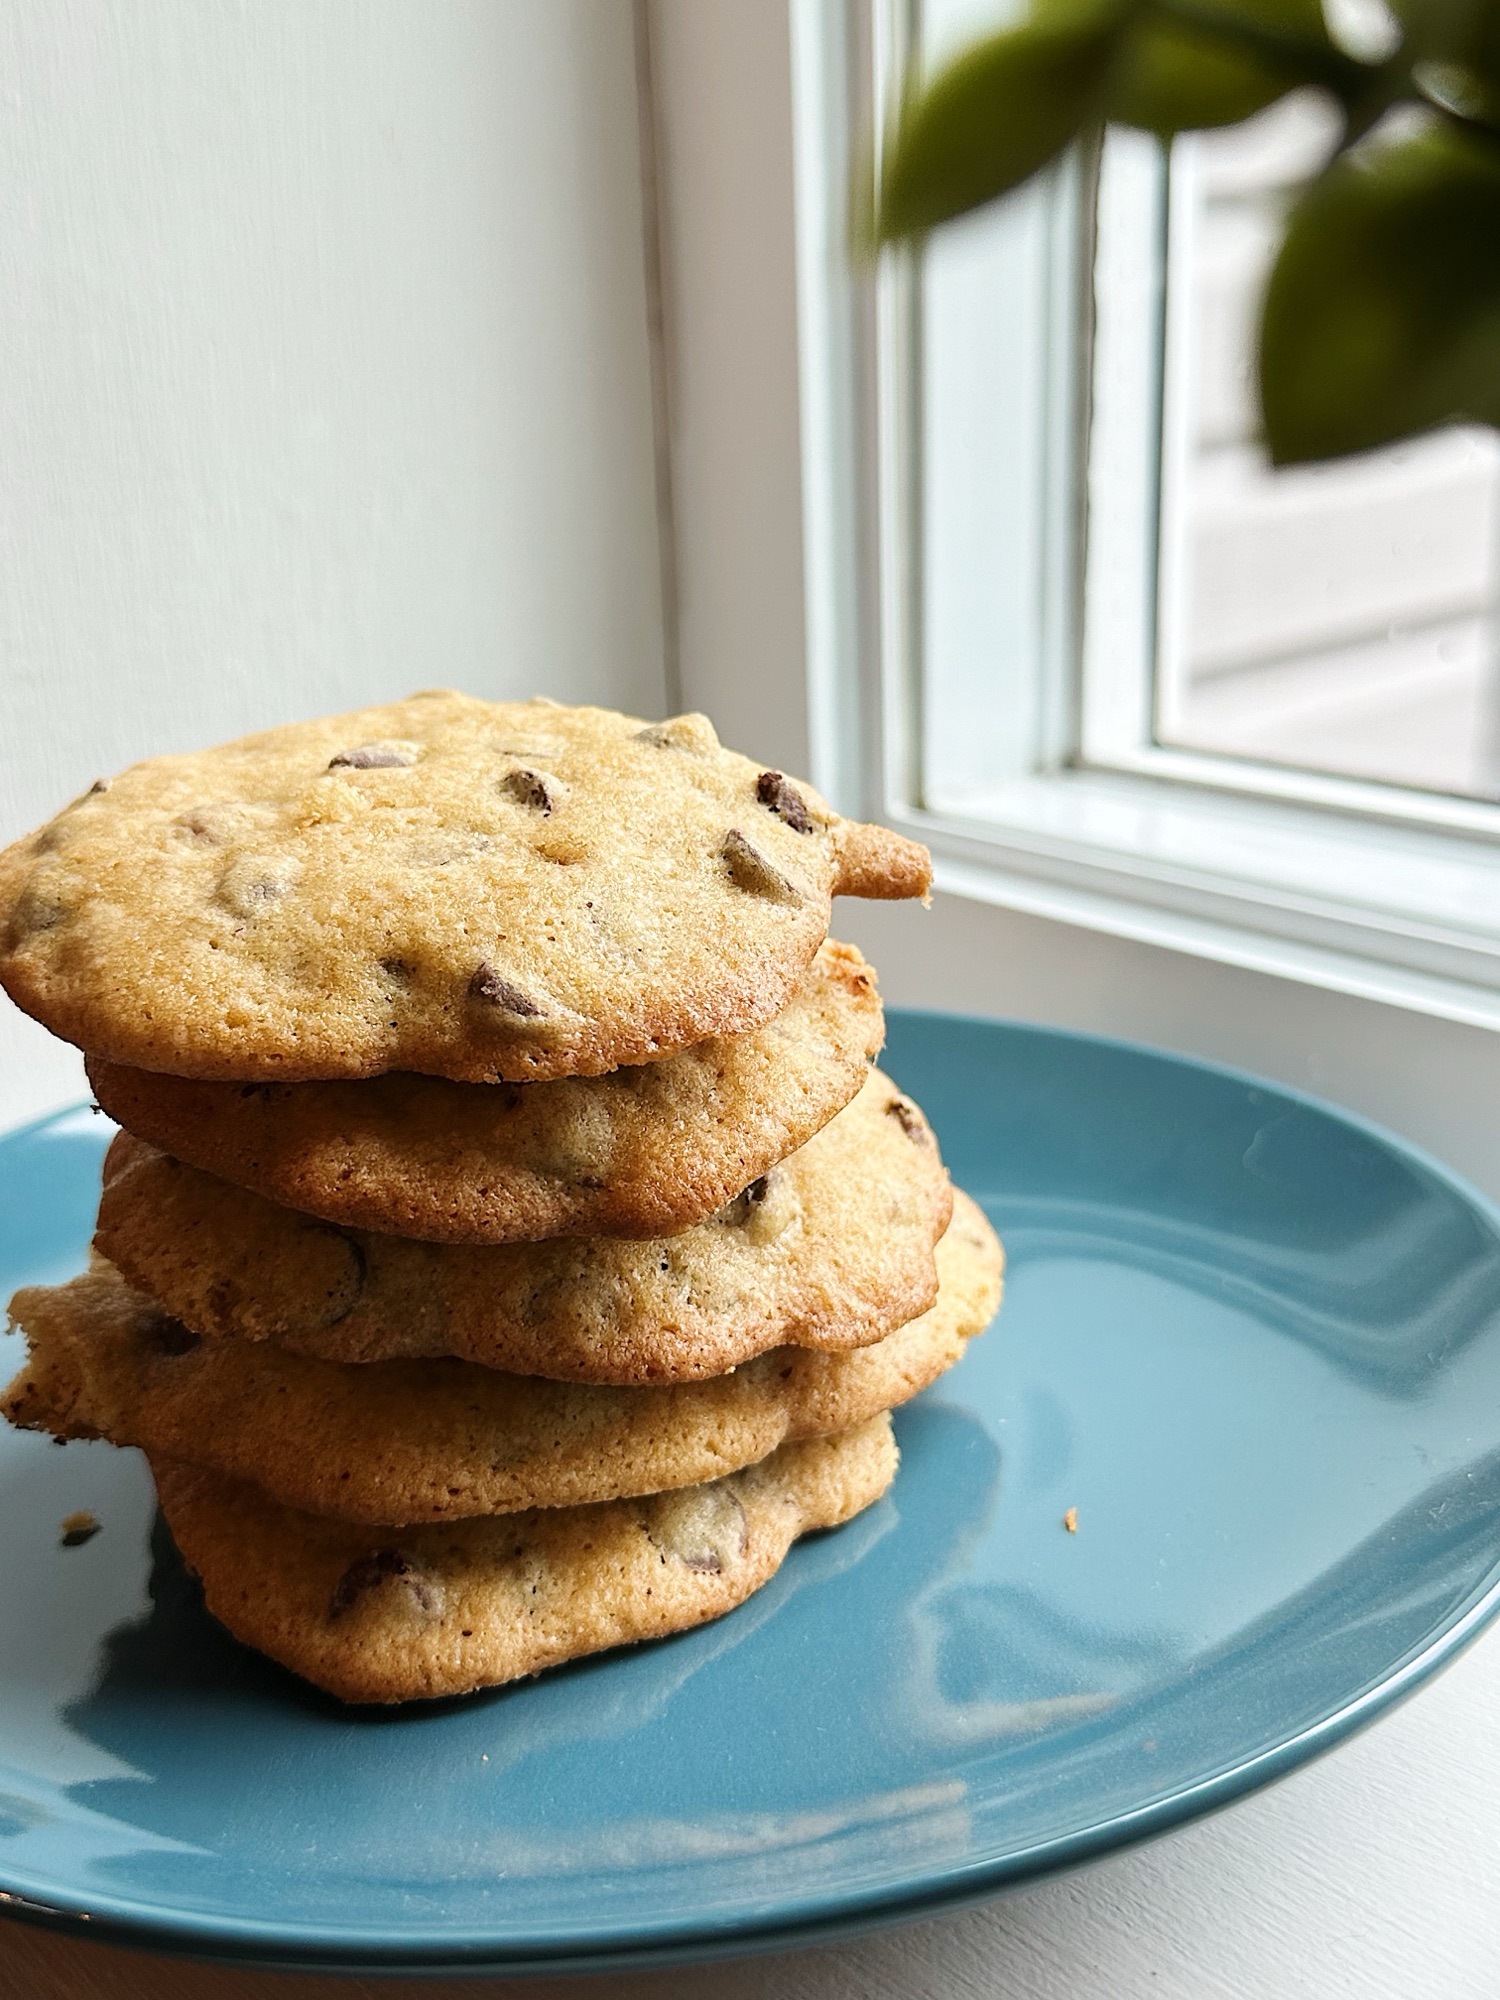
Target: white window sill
{"x": 1404, "y": 915}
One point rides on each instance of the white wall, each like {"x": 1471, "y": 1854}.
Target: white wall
{"x": 325, "y": 377}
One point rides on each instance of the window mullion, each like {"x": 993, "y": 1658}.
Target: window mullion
{"x": 1119, "y": 614}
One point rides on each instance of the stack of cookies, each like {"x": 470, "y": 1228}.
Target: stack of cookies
{"x": 509, "y": 1249}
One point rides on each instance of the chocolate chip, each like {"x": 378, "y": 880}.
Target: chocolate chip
{"x": 79, "y": 1528}
{"x": 783, "y": 798}
{"x": 487, "y": 985}
{"x": 910, "y": 1119}
{"x": 704, "y": 1528}
{"x": 99, "y": 785}
{"x": 747, "y": 1201}
{"x": 165, "y": 1335}
{"x": 374, "y": 757}
{"x": 34, "y": 913}
{"x": 343, "y": 1297}
{"x": 530, "y": 788}
{"x": 251, "y": 884}
{"x": 750, "y": 870}
{"x": 370, "y": 1572}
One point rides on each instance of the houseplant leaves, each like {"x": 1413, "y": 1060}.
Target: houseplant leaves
{"x": 1382, "y": 317}
{"x": 1007, "y": 105}
{"x": 1179, "y": 70}
{"x": 994, "y": 115}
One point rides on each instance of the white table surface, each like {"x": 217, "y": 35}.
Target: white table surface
{"x": 1374, "y": 1874}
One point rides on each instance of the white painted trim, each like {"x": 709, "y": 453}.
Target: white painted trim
{"x": 1299, "y": 889}
{"x": 1228, "y": 944}
{"x": 1119, "y": 596}
{"x": 828, "y": 402}
{"x": 1365, "y": 889}
{"x": 1162, "y": 669}
{"x": 1392, "y": 805}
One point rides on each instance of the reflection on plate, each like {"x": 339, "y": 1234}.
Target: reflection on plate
{"x": 1254, "y": 1344}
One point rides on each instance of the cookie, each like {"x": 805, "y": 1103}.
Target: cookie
{"x": 381, "y": 1615}
{"x": 470, "y": 889}
{"x": 640, "y": 1152}
{"x": 400, "y": 1441}
{"x": 830, "y": 1249}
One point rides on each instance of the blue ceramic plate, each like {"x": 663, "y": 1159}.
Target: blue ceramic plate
{"x": 1252, "y": 1342}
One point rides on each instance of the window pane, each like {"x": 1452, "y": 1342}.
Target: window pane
{"x": 997, "y": 367}
{"x": 996, "y": 361}
{"x": 1337, "y": 618}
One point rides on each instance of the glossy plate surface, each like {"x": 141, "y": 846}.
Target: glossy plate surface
{"x": 1254, "y": 1344}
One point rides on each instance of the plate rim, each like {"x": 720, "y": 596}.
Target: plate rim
{"x": 823, "y": 1917}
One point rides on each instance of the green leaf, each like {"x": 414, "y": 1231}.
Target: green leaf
{"x": 1187, "y": 65}
{"x": 1184, "y": 65}
{"x": 1459, "y": 88}
{"x": 1464, "y": 32}
{"x": 1455, "y": 46}
{"x": 1382, "y": 317}
{"x": 994, "y": 115}
{"x": 1169, "y": 77}
{"x": 1288, "y": 21}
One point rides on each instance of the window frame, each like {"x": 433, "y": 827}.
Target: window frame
{"x": 1360, "y": 888}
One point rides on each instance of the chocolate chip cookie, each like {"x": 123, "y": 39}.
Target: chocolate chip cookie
{"x": 389, "y": 1615}
{"x": 832, "y": 1248}
{"x": 469, "y": 889}
{"x": 644, "y": 1151}
{"x": 399, "y": 1441}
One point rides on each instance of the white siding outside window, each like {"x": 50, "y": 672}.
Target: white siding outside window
{"x": 1338, "y": 618}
